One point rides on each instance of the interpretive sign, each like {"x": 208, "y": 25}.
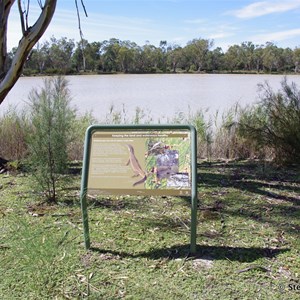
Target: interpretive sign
{"x": 140, "y": 160}
{"x": 150, "y": 162}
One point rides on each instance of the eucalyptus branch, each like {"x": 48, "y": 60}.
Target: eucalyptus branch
{"x": 27, "y": 13}
{"x": 10, "y": 73}
{"x": 40, "y": 4}
{"x": 21, "y": 12}
{"x": 80, "y": 30}
{"x": 79, "y": 21}
{"x": 84, "y": 9}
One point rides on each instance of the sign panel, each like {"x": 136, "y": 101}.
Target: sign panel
{"x": 140, "y": 162}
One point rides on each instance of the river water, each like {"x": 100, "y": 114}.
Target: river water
{"x": 159, "y": 95}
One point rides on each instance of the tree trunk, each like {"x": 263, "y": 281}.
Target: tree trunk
{"x": 5, "y": 7}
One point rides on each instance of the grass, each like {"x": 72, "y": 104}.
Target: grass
{"x": 247, "y": 245}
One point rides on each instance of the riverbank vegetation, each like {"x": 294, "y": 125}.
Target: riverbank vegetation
{"x": 268, "y": 130}
{"x": 63, "y": 56}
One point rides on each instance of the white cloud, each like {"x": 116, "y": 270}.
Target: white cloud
{"x": 195, "y": 21}
{"x": 276, "y": 36}
{"x": 220, "y": 35}
{"x": 262, "y": 8}
{"x": 218, "y": 31}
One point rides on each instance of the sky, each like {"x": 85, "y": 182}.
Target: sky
{"x": 175, "y": 21}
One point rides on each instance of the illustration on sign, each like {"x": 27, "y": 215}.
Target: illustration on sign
{"x": 139, "y": 162}
{"x": 134, "y": 163}
{"x": 169, "y": 161}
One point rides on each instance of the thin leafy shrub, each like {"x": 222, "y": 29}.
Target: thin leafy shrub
{"x": 52, "y": 119}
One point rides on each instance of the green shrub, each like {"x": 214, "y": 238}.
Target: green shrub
{"x": 52, "y": 120}
{"x": 275, "y": 122}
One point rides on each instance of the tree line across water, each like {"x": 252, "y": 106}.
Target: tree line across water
{"x": 64, "y": 56}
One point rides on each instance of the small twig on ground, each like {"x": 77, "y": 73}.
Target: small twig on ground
{"x": 254, "y": 267}
{"x": 63, "y": 238}
{"x": 73, "y": 225}
{"x": 187, "y": 227}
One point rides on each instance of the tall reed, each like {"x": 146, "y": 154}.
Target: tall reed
{"x": 14, "y": 127}
{"x": 217, "y": 138}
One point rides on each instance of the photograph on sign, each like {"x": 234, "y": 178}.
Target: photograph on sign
{"x": 137, "y": 162}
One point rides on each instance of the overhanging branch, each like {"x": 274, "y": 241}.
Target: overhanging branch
{"x": 80, "y": 30}
{"x": 21, "y": 13}
{"x": 29, "y": 39}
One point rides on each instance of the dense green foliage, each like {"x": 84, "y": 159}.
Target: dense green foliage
{"x": 275, "y": 122}
{"x": 63, "y": 56}
{"x": 51, "y": 119}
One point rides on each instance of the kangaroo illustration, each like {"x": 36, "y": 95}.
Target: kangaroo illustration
{"x": 134, "y": 163}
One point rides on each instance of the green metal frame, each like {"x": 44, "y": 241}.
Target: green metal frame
{"x": 86, "y": 163}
